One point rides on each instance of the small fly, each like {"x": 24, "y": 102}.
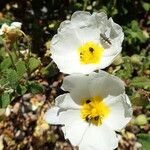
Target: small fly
{"x": 89, "y": 118}
{"x": 103, "y": 36}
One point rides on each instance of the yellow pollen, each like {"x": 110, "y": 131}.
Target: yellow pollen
{"x": 90, "y": 53}
{"x": 94, "y": 110}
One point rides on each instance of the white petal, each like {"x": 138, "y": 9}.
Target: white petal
{"x": 120, "y": 112}
{"x": 75, "y": 132}
{"x": 64, "y": 47}
{"x": 75, "y": 127}
{"x": 104, "y": 84}
{"x": 99, "y": 19}
{"x": 65, "y": 43}
{"x": 66, "y": 102}
{"x": 67, "y": 64}
{"x": 1, "y": 32}
{"x": 77, "y": 85}
{"x": 99, "y": 138}
{"x": 88, "y": 26}
{"x": 116, "y": 30}
{"x": 69, "y": 117}
{"x": 52, "y": 116}
{"x": 106, "y": 61}
{"x": 80, "y": 18}
{"x": 4, "y": 26}
{"x": 71, "y": 66}
{"x": 84, "y": 36}
{"x": 65, "y": 24}
{"x": 16, "y": 25}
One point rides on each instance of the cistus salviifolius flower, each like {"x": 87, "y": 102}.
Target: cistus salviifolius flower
{"x": 86, "y": 42}
{"x": 95, "y": 107}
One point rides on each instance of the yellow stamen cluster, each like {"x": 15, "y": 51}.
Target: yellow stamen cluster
{"x": 94, "y": 110}
{"x": 90, "y": 53}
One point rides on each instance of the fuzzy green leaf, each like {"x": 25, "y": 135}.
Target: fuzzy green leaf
{"x": 50, "y": 70}
{"x": 12, "y": 78}
{"x": 5, "y": 100}
{"x": 21, "y": 68}
{"x": 34, "y": 63}
{"x": 144, "y": 139}
{"x": 146, "y": 6}
{"x": 21, "y": 89}
{"x": 6, "y": 63}
{"x": 141, "y": 82}
{"x": 35, "y": 87}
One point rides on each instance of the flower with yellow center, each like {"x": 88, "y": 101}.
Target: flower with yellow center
{"x": 95, "y": 107}
{"x": 86, "y": 42}
{"x": 94, "y": 110}
{"x": 90, "y": 53}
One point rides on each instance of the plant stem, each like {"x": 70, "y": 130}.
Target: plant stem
{"x": 28, "y": 55}
{"x": 8, "y": 51}
{"x": 85, "y": 4}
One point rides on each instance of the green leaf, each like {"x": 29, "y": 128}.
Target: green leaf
{"x": 127, "y": 69}
{"x": 2, "y": 114}
{"x": 35, "y": 87}
{"x": 21, "y": 68}
{"x": 141, "y": 82}
{"x": 146, "y": 6}
{"x": 139, "y": 100}
{"x": 144, "y": 139}
{"x": 12, "y": 78}
{"x": 5, "y": 100}
{"x": 148, "y": 106}
{"x": 21, "y": 89}
{"x": 34, "y": 63}
{"x": 3, "y": 81}
{"x": 6, "y": 63}
{"x": 2, "y": 54}
{"x": 50, "y": 70}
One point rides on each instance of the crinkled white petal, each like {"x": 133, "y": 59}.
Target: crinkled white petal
{"x": 77, "y": 85}
{"x": 65, "y": 43}
{"x": 4, "y": 26}
{"x": 66, "y": 102}
{"x": 75, "y": 132}
{"x": 84, "y": 27}
{"x": 120, "y": 112}
{"x": 16, "y": 25}
{"x": 80, "y": 18}
{"x": 84, "y": 36}
{"x": 116, "y": 30}
{"x": 75, "y": 127}
{"x": 104, "y": 84}
{"x": 99, "y": 138}
{"x": 52, "y": 116}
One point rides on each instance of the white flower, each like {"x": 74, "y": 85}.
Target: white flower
{"x": 86, "y": 43}
{"x": 5, "y": 29}
{"x": 95, "y": 107}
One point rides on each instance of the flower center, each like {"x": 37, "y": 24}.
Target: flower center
{"x": 90, "y": 53}
{"x": 94, "y": 110}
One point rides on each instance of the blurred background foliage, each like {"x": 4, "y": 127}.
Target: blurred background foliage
{"x": 41, "y": 18}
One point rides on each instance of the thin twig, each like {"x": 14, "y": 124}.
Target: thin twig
{"x": 8, "y": 51}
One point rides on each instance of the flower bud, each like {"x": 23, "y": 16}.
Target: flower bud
{"x": 141, "y": 120}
